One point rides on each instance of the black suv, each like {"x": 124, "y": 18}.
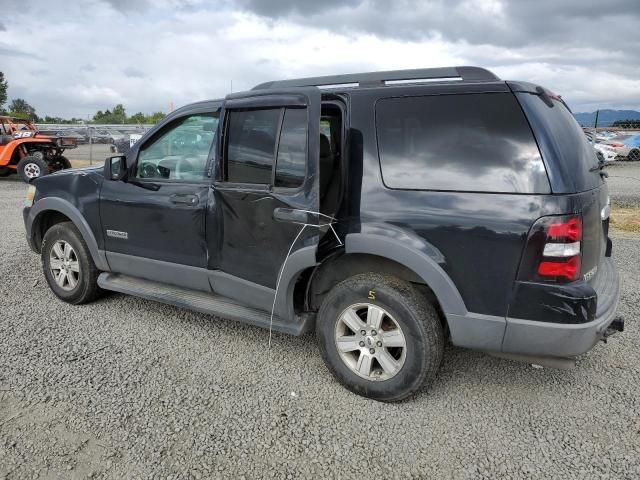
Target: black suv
{"x": 387, "y": 211}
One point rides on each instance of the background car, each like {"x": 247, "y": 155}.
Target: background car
{"x": 609, "y": 153}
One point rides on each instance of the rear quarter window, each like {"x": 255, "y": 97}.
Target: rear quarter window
{"x": 564, "y": 145}
{"x": 462, "y": 142}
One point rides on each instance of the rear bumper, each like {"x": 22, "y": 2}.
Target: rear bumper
{"x": 529, "y": 337}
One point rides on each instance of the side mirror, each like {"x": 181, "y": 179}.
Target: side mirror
{"x": 115, "y": 168}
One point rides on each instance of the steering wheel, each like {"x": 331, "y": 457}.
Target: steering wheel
{"x": 183, "y": 165}
{"x": 149, "y": 170}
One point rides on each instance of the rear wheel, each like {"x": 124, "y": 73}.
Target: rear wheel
{"x": 379, "y": 337}
{"x": 68, "y": 266}
{"x": 634, "y": 155}
{"x": 4, "y": 171}
{"x": 32, "y": 167}
{"x": 60, "y": 163}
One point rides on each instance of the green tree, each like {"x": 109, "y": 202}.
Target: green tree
{"x": 155, "y": 117}
{"x": 3, "y": 91}
{"x": 103, "y": 117}
{"x": 137, "y": 118}
{"x": 627, "y": 123}
{"x": 20, "y": 107}
{"x": 119, "y": 114}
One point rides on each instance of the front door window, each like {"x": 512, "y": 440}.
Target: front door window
{"x": 179, "y": 152}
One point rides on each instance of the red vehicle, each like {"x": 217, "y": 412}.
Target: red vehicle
{"x": 27, "y": 152}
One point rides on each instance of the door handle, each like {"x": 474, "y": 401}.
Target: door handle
{"x": 291, "y": 215}
{"x": 191, "y": 200}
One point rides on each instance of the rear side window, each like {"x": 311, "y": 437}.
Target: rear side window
{"x": 464, "y": 142}
{"x": 257, "y": 137}
{"x": 251, "y": 145}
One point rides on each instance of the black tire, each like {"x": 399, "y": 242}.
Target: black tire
{"x": 37, "y": 154}
{"x": 66, "y": 163}
{"x": 416, "y": 317}
{"x": 32, "y": 167}
{"x": 86, "y": 288}
{"x": 4, "y": 171}
{"x": 634, "y": 155}
{"x": 60, "y": 163}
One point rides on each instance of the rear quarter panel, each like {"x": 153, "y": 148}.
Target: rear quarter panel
{"x": 478, "y": 237}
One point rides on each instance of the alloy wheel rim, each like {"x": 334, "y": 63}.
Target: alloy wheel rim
{"x": 64, "y": 265}
{"x": 32, "y": 170}
{"x": 370, "y": 342}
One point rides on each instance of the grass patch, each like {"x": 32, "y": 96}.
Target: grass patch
{"x": 625, "y": 220}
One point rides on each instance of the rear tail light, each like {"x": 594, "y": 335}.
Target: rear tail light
{"x": 570, "y": 230}
{"x": 554, "y": 250}
{"x": 568, "y": 270}
{"x": 561, "y": 255}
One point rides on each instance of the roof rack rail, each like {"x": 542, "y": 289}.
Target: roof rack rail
{"x": 376, "y": 79}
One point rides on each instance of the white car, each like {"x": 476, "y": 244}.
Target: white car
{"x": 608, "y": 152}
{"x": 604, "y": 136}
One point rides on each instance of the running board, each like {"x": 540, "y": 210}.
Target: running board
{"x": 202, "y": 302}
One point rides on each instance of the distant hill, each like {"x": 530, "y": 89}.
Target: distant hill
{"x": 606, "y": 117}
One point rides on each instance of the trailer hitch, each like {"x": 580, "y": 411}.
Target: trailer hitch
{"x": 614, "y": 327}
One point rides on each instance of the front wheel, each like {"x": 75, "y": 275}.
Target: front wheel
{"x": 380, "y": 337}
{"x": 32, "y": 167}
{"x": 67, "y": 264}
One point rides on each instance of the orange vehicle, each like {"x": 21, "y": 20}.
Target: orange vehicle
{"x": 29, "y": 153}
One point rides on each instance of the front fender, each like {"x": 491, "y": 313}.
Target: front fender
{"x": 7, "y": 152}
{"x": 55, "y": 204}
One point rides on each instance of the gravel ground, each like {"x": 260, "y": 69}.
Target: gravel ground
{"x": 127, "y": 388}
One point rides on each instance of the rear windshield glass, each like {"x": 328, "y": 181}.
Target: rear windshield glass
{"x": 464, "y": 142}
{"x": 564, "y": 145}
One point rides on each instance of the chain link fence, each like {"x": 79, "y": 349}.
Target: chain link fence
{"x": 615, "y": 143}
{"x": 95, "y": 142}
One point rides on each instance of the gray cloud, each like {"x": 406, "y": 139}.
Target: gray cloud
{"x": 148, "y": 54}
{"x": 10, "y": 51}
{"x": 2, "y": 27}
{"x": 607, "y": 26}
{"x": 578, "y": 33}
{"x": 499, "y": 22}
{"x": 133, "y": 72}
{"x": 127, "y": 6}
{"x": 278, "y": 8}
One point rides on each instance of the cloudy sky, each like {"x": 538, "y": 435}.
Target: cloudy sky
{"x": 88, "y": 55}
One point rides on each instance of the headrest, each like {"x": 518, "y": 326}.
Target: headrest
{"x": 325, "y": 146}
